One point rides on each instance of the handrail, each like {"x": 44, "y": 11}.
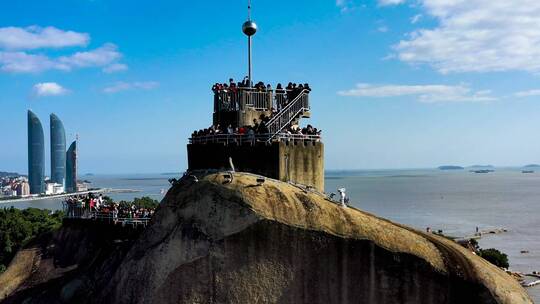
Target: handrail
{"x": 260, "y": 100}
{"x": 289, "y": 105}
{"x": 240, "y": 97}
{"x": 284, "y": 117}
{"x": 245, "y": 138}
{"x": 80, "y": 213}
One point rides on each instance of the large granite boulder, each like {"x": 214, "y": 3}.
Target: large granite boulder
{"x": 217, "y": 241}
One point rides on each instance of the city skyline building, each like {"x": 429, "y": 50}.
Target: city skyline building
{"x": 58, "y": 150}
{"x": 23, "y": 189}
{"x": 36, "y": 154}
{"x": 71, "y": 168}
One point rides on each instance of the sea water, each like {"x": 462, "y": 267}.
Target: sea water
{"x": 453, "y": 201}
{"x": 456, "y": 202}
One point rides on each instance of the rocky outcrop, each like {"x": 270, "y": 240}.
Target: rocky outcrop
{"x": 240, "y": 242}
{"x": 19, "y": 271}
{"x": 215, "y": 241}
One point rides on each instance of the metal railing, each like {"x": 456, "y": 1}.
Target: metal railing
{"x": 261, "y": 101}
{"x": 240, "y": 139}
{"x": 227, "y": 101}
{"x": 290, "y": 104}
{"x": 291, "y": 111}
{"x": 280, "y": 100}
{"x": 84, "y": 213}
{"x": 241, "y": 98}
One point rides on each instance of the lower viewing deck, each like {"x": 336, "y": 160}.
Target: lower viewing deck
{"x": 111, "y": 217}
{"x": 241, "y": 139}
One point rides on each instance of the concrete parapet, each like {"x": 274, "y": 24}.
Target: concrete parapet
{"x": 298, "y": 162}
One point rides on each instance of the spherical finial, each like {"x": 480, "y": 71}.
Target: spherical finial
{"x": 249, "y": 28}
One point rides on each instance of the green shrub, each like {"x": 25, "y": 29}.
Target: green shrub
{"x": 495, "y": 257}
{"x": 17, "y": 227}
{"x": 143, "y": 202}
{"x": 474, "y": 244}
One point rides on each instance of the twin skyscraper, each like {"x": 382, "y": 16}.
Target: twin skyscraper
{"x": 63, "y": 164}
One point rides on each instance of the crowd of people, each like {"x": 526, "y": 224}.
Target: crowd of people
{"x": 92, "y": 206}
{"x": 258, "y": 131}
{"x": 308, "y": 130}
{"x": 260, "y": 126}
{"x": 228, "y": 99}
{"x": 260, "y": 86}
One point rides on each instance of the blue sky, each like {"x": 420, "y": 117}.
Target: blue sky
{"x": 396, "y": 83}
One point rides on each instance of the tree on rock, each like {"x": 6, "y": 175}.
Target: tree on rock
{"x": 495, "y": 257}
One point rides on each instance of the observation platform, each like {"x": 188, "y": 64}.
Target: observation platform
{"x": 257, "y": 130}
{"x": 239, "y": 106}
{"x": 73, "y": 213}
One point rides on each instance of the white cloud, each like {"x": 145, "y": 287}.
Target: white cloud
{"x": 477, "y": 36}
{"x": 48, "y": 89}
{"x": 423, "y": 93}
{"x": 21, "y": 62}
{"x": 115, "y": 67}
{"x": 18, "y": 55}
{"x": 35, "y": 37}
{"x": 344, "y": 5}
{"x": 416, "y": 18}
{"x": 102, "y": 56}
{"x": 348, "y": 5}
{"x": 105, "y": 56}
{"x": 390, "y": 2}
{"x": 124, "y": 86}
{"x": 382, "y": 29}
{"x": 535, "y": 92}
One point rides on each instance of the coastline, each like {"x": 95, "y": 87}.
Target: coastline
{"x": 57, "y": 196}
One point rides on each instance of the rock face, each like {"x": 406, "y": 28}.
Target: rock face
{"x": 214, "y": 241}
{"x": 217, "y": 242}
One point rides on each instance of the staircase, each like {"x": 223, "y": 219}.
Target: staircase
{"x": 289, "y": 115}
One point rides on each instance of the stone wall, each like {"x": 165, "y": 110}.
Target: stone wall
{"x": 301, "y": 162}
{"x": 259, "y": 158}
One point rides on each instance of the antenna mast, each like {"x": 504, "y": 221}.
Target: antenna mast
{"x": 249, "y": 28}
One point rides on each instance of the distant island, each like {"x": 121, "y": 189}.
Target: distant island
{"x": 481, "y": 167}
{"x": 532, "y": 166}
{"x": 89, "y": 174}
{"x": 451, "y": 168}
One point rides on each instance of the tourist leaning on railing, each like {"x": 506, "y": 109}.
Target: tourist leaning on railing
{"x": 292, "y": 88}
{"x": 248, "y": 134}
{"x": 233, "y": 96}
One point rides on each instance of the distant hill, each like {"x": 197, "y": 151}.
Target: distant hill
{"x": 171, "y": 173}
{"x": 451, "y": 168}
{"x": 532, "y": 166}
{"x": 9, "y": 174}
